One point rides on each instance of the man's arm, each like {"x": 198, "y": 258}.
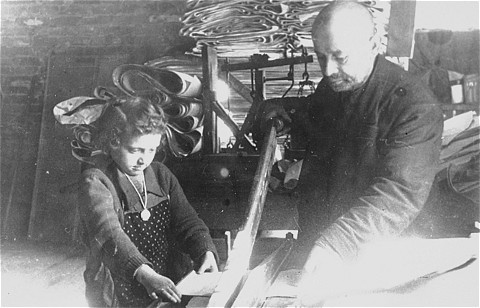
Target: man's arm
{"x": 290, "y": 110}
{"x": 406, "y": 169}
{"x": 405, "y": 173}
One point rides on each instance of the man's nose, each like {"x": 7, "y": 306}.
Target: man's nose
{"x": 331, "y": 67}
{"x": 141, "y": 161}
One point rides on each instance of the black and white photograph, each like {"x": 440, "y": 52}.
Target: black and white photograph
{"x": 239, "y": 153}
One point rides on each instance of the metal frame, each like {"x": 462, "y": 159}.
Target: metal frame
{"x": 256, "y": 96}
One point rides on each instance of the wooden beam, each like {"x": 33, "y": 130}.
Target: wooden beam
{"x": 238, "y": 262}
{"x": 266, "y": 63}
{"x": 240, "y": 88}
{"x": 258, "y": 98}
{"x": 227, "y": 119}
{"x": 246, "y": 93}
{"x": 210, "y": 78}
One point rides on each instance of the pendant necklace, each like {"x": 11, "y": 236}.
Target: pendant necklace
{"x": 145, "y": 213}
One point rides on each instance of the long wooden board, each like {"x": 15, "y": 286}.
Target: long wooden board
{"x": 53, "y": 215}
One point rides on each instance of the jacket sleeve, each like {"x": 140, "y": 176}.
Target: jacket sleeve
{"x": 408, "y": 156}
{"x": 188, "y": 229}
{"x": 105, "y": 233}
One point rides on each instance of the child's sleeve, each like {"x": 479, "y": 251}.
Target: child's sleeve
{"x": 105, "y": 233}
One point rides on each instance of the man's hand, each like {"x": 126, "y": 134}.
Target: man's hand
{"x": 274, "y": 109}
{"x": 157, "y": 285}
{"x": 320, "y": 277}
{"x": 207, "y": 263}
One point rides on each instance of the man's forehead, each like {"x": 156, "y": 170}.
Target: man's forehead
{"x": 337, "y": 42}
{"x": 345, "y": 14}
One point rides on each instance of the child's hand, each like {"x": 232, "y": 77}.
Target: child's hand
{"x": 157, "y": 285}
{"x": 207, "y": 263}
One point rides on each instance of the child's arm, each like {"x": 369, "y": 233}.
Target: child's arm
{"x": 98, "y": 202}
{"x": 206, "y": 263}
{"x": 157, "y": 285}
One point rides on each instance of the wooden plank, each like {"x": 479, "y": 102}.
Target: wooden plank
{"x": 238, "y": 262}
{"x": 210, "y": 79}
{"x": 240, "y": 88}
{"x": 227, "y": 119}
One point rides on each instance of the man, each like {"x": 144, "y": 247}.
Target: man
{"x": 373, "y": 140}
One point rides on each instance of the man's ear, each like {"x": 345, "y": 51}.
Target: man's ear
{"x": 375, "y": 40}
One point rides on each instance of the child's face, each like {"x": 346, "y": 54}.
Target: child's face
{"x": 136, "y": 153}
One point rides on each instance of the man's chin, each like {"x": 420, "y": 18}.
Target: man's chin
{"x": 340, "y": 87}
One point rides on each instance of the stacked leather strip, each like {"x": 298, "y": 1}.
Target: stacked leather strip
{"x": 240, "y": 28}
{"x": 460, "y": 155}
{"x": 177, "y": 93}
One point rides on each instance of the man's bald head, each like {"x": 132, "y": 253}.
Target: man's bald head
{"x": 348, "y": 17}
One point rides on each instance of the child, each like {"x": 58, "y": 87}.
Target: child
{"x": 134, "y": 211}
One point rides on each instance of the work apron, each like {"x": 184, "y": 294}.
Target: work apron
{"x": 151, "y": 239}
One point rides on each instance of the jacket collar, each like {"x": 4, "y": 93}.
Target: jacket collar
{"x": 130, "y": 195}
{"x": 377, "y": 74}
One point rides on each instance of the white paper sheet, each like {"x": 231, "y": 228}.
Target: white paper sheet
{"x": 199, "y": 285}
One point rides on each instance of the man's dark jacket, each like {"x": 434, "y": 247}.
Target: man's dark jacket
{"x": 371, "y": 158}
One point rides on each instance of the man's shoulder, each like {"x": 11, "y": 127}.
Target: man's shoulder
{"x": 405, "y": 86}
{"x": 394, "y": 75}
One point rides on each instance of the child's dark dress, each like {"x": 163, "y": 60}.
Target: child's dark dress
{"x": 119, "y": 239}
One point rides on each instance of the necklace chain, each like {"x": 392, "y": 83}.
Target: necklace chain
{"x": 144, "y": 203}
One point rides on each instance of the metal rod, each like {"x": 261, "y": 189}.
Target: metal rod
{"x": 229, "y": 67}
{"x": 278, "y": 78}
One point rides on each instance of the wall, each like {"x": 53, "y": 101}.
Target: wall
{"x": 31, "y": 31}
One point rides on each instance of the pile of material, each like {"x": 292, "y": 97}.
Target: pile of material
{"x": 460, "y": 155}
{"x": 240, "y": 28}
{"x": 178, "y": 94}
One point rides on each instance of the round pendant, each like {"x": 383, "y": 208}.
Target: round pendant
{"x": 145, "y": 215}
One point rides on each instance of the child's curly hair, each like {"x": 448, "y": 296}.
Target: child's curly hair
{"x": 129, "y": 117}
